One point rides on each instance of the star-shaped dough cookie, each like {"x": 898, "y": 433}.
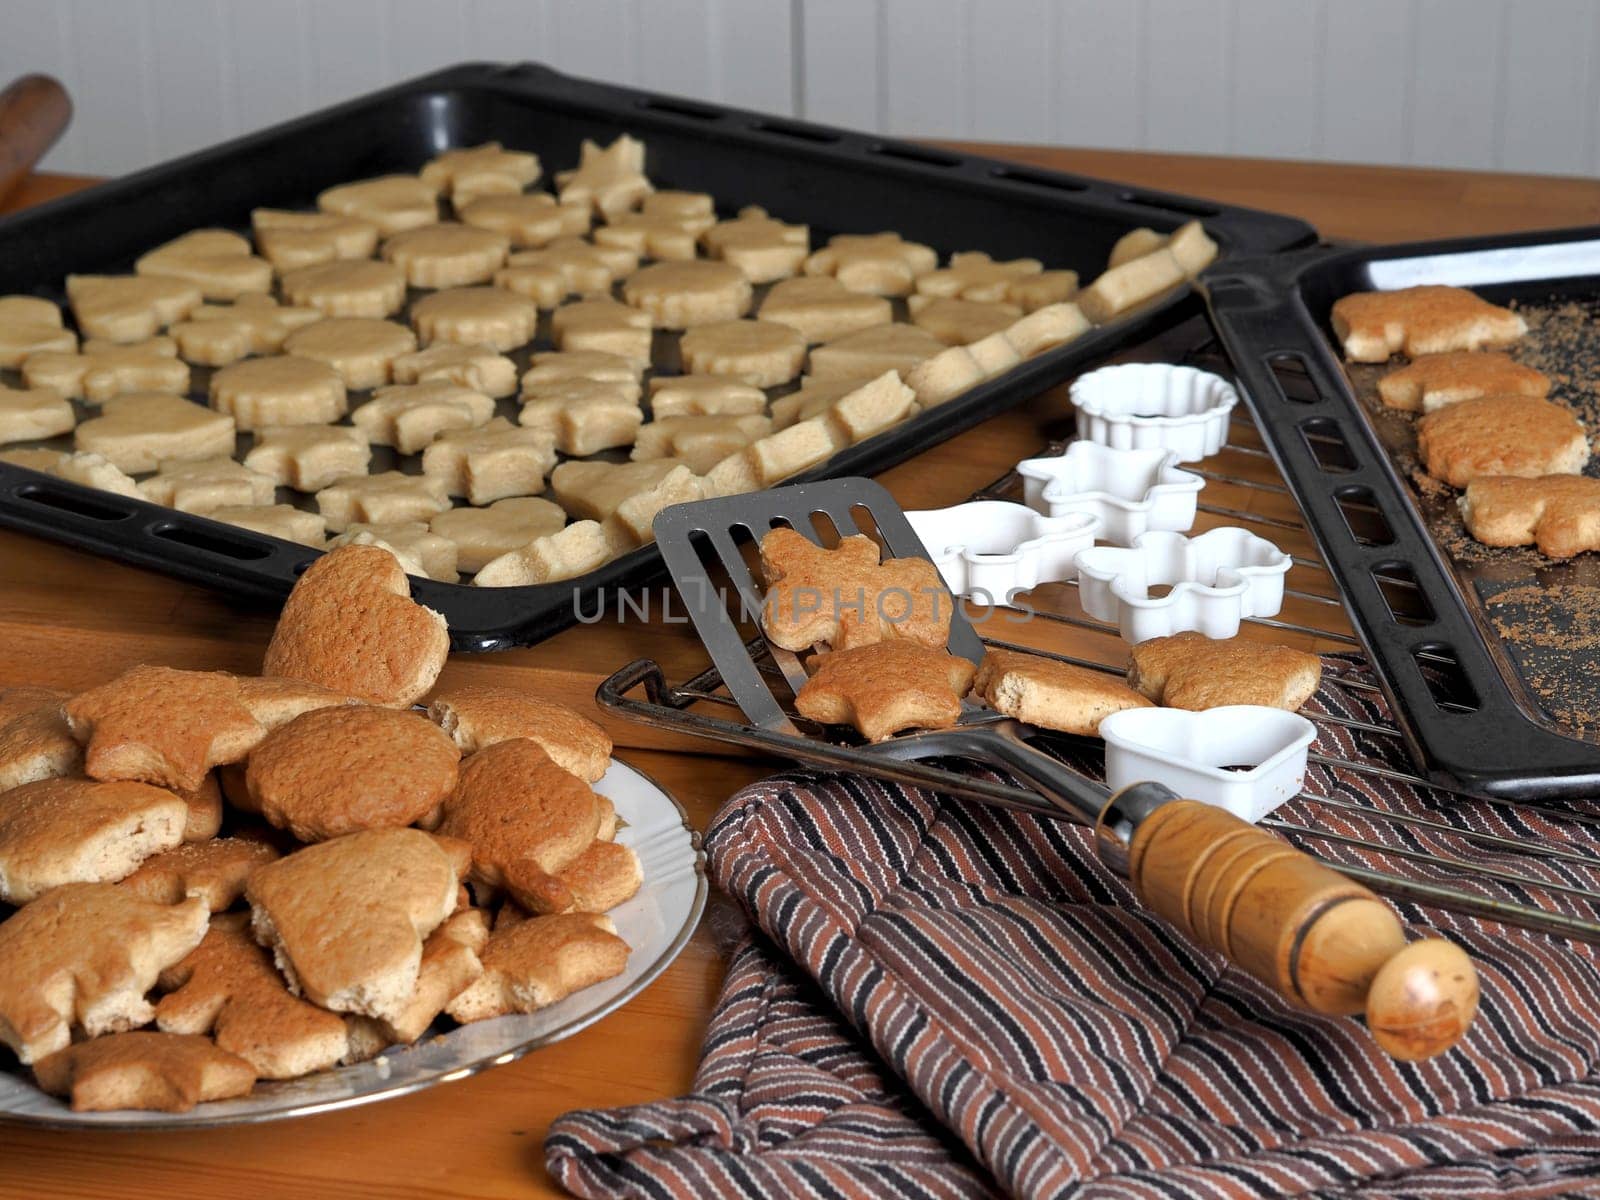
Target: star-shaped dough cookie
{"x": 216, "y": 335}
{"x": 471, "y": 366}
{"x": 528, "y": 218}
{"x": 129, "y": 308}
{"x": 308, "y": 458}
{"x": 291, "y": 240}
{"x": 845, "y": 597}
{"x": 161, "y": 726}
{"x": 217, "y": 261}
{"x": 761, "y": 353}
{"x": 228, "y": 987}
{"x": 823, "y": 309}
{"x": 410, "y": 415}
{"x": 567, "y": 266}
{"x": 82, "y": 957}
{"x": 391, "y": 202}
{"x": 476, "y": 316}
{"x": 764, "y": 248}
{"x": 881, "y": 264}
{"x": 206, "y": 485}
{"x": 491, "y": 463}
{"x": 1558, "y": 513}
{"x": 1420, "y": 320}
{"x": 975, "y": 276}
{"x": 139, "y": 432}
{"x": 374, "y": 499}
{"x": 667, "y": 226}
{"x": 474, "y": 171}
{"x": 29, "y": 325}
{"x": 886, "y": 687}
{"x": 159, "y": 1072}
{"x": 33, "y": 415}
{"x": 610, "y": 180}
{"x": 106, "y": 369}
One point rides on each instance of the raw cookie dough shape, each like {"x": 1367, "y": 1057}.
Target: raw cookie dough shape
{"x": 420, "y": 550}
{"x": 33, "y": 415}
{"x": 491, "y": 463}
{"x": 871, "y": 352}
{"x": 390, "y": 496}
{"x": 680, "y": 294}
{"x": 823, "y": 309}
{"x": 106, "y": 369}
{"x": 764, "y": 248}
{"x": 605, "y": 325}
{"x": 480, "y": 368}
{"x": 667, "y": 226}
{"x": 359, "y": 349}
{"x": 347, "y": 288}
{"x": 393, "y": 203}
{"x": 568, "y": 266}
{"x": 529, "y": 219}
{"x": 410, "y": 415}
{"x": 441, "y": 256}
{"x": 610, "y": 180}
{"x": 87, "y": 470}
{"x": 975, "y": 276}
{"x": 485, "y": 170}
{"x": 576, "y": 550}
{"x": 703, "y": 396}
{"x": 960, "y": 322}
{"x": 29, "y": 325}
{"x": 484, "y": 534}
{"x": 216, "y": 335}
{"x": 881, "y": 264}
{"x": 290, "y": 240}
{"x": 763, "y": 354}
{"x": 476, "y": 316}
{"x": 286, "y": 390}
{"x": 139, "y": 432}
{"x": 275, "y": 520}
{"x": 129, "y": 308}
{"x": 701, "y": 442}
{"x": 208, "y": 484}
{"x": 216, "y": 261}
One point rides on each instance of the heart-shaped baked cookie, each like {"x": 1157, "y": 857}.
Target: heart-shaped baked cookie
{"x": 350, "y": 625}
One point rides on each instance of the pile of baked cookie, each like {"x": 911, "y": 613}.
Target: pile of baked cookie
{"x": 301, "y": 866}
{"x": 1488, "y": 426}
{"x": 428, "y": 362}
{"x": 877, "y": 631}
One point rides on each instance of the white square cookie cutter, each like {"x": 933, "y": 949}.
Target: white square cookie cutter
{"x": 990, "y": 549}
{"x": 1131, "y": 491}
{"x": 1148, "y": 406}
{"x": 1245, "y": 758}
{"x": 1217, "y": 580}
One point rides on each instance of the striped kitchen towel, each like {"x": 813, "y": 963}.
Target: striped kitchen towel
{"x": 946, "y": 999}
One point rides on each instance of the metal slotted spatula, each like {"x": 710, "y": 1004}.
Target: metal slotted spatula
{"x": 1321, "y": 940}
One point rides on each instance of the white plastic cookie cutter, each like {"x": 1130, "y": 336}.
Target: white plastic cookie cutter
{"x": 1216, "y": 580}
{"x": 1245, "y": 758}
{"x": 992, "y": 548}
{"x": 1147, "y": 406}
{"x": 1131, "y": 491}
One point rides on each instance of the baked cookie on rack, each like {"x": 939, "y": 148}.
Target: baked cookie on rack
{"x": 1192, "y": 671}
{"x": 1052, "y": 694}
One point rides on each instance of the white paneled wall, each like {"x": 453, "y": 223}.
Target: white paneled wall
{"x": 1464, "y": 83}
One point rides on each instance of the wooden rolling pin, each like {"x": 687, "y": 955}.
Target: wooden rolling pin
{"x": 34, "y": 110}
{"x": 1326, "y": 943}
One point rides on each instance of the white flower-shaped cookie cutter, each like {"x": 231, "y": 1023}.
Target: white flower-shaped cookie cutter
{"x": 1245, "y": 758}
{"x": 1143, "y": 406}
{"x": 1131, "y": 491}
{"x": 1217, "y": 579}
{"x": 992, "y": 548}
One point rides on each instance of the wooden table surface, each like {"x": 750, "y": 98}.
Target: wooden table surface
{"x": 70, "y": 620}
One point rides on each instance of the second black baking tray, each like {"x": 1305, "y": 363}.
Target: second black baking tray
{"x": 1491, "y": 656}
{"x": 833, "y": 180}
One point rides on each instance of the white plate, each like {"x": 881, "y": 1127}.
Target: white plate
{"x": 656, "y": 923}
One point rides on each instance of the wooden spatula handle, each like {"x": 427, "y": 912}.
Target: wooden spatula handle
{"x": 33, "y": 111}
{"x": 1287, "y": 919}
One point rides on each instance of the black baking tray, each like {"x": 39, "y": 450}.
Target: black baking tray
{"x": 832, "y": 179}
{"x": 1485, "y": 705}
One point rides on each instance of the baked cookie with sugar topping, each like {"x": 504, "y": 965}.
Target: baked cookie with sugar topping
{"x": 214, "y": 870}
{"x": 35, "y": 740}
{"x": 1501, "y": 435}
{"x": 82, "y": 957}
{"x": 1052, "y": 694}
{"x": 1430, "y": 319}
{"x": 1190, "y": 670}
{"x": 350, "y": 625}
{"x": 449, "y": 965}
{"x": 532, "y": 964}
{"x": 1436, "y": 380}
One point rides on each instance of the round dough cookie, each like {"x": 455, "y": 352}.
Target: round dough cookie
{"x": 129, "y": 308}
{"x": 278, "y": 391}
{"x": 440, "y": 256}
{"x": 33, "y": 415}
{"x": 476, "y": 316}
{"x": 347, "y": 288}
{"x": 680, "y": 294}
{"x": 761, "y": 353}
{"x": 391, "y": 202}
{"x": 360, "y": 349}
{"x": 604, "y": 325}
{"x": 334, "y": 771}
{"x": 530, "y": 220}
{"x": 482, "y": 534}
{"x": 822, "y": 308}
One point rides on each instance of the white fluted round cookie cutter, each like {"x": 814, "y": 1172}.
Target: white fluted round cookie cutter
{"x": 1131, "y": 491}
{"x": 1145, "y": 406}
{"x": 1192, "y": 753}
{"x": 992, "y": 548}
{"x": 1217, "y": 580}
